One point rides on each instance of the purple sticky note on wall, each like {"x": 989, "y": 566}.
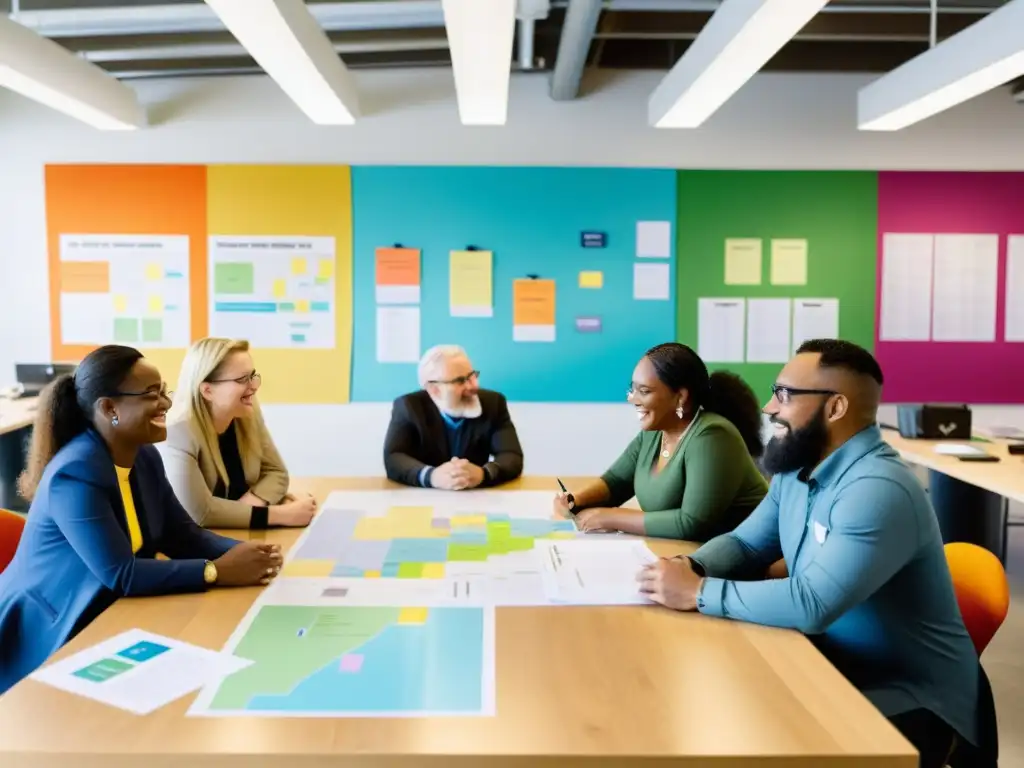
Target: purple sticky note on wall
{"x": 588, "y": 324}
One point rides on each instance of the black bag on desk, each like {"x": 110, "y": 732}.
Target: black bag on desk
{"x": 934, "y": 422}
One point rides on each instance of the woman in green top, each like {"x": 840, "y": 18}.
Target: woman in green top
{"x": 692, "y": 466}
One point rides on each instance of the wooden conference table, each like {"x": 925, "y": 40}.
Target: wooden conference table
{"x": 16, "y": 417}
{"x": 576, "y": 686}
{"x": 970, "y": 498}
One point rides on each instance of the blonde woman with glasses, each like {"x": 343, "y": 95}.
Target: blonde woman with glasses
{"x": 219, "y": 457}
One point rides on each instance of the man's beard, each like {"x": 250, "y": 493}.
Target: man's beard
{"x": 463, "y": 408}
{"x": 800, "y": 449}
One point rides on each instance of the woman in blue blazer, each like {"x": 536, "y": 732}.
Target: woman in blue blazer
{"x": 101, "y": 511}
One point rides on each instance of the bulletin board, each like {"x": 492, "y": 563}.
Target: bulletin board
{"x": 955, "y": 327}
{"x": 554, "y": 280}
{"x": 767, "y": 251}
{"x": 158, "y": 256}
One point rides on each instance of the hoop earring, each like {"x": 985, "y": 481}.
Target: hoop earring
{"x": 114, "y": 422}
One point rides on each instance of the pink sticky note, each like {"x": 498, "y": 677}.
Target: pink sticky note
{"x": 351, "y": 662}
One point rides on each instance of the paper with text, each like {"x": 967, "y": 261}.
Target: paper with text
{"x": 397, "y": 275}
{"x": 814, "y": 319}
{"x": 789, "y": 262}
{"x": 1014, "y": 288}
{"x": 584, "y": 572}
{"x": 768, "y": 322}
{"x": 651, "y": 282}
{"x": 743, "y": 257}
{"x": 966, "y": 275}
{"x": 533, "y": 310}
{"x": 906, "y": 312}
{"x": 720, "y": 330}
{"x": 654, "y": 239}
{"x": 470, "y": 284}
{"x": 398, "y": 334}
{"x": 139, "y": 671}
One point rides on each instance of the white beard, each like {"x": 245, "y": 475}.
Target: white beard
{"x": 464, "y": 410}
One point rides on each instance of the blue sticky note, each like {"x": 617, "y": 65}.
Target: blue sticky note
{"x": 143, "y": 651}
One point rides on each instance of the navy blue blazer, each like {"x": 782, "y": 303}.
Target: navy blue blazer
{"x": 75, "y": 556}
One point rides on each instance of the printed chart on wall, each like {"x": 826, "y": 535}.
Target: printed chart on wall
{"x": 277, "y": 292}
{"x": 125, "y": 289}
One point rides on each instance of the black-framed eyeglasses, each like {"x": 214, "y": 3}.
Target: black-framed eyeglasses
{"x": 458, "y": 380}
{"x": 254, "y": 378}
{"x": 785, "y": 394}
{"x": 149, "y": 394}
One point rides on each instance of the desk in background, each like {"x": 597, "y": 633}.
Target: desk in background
{"x": 576, "y": 686}
{"x": 16, "y": 417}
{"x": 971, "y": 499}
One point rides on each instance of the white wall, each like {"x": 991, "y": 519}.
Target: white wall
{"x": 777, "y": 121}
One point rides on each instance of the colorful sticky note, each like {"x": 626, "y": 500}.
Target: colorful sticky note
{"x": 302, "y": 305}
{"x": 155, "y": 305}
{"x": 85, "y": 277}
{"x": 120, "y": 303}
{"x": 743, "y": 261}
{"x": 126, "y": 330}
{"x": 152, "y": 330}
{"x": 280, "y": 288}
{"x": 533, "y": 302}
{"x": 413, "y": 615}
{"x": 325, "y": 269}
{"x": 433, "y": 571}
{"x": 308, "y": 568}
{"x": 299, "y": 265}
{"x": 470, "y": 291}
{"x": 233, "y": 277}
{"x": 154, "y": 272}
{"x": 789, "y": 262}
{"x": 590, "y": 324}
{"x": 591, "y": 279}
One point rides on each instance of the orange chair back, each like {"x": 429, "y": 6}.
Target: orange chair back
{"x": 11, "y": 526}
{"x": 981, "y": 589}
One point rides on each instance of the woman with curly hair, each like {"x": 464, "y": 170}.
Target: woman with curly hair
{"x": 692, "y": 466}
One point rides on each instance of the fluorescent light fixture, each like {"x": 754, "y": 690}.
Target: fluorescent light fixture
{"x": 480, "y": 34}
{"x": 46, "y": 72}
{"x": 291, "y": 47}
{"x": 737, "y": 41}
{"x": 987, "y": 54}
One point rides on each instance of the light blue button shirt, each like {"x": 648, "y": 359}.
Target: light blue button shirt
{"x": 869, "y": 582}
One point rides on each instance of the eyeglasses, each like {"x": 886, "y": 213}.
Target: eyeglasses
{"x": 253, "y": 378}
{"x": 149, "y": 394}
{"x": 458, "y": 380}
{"x": 785, "y": 394}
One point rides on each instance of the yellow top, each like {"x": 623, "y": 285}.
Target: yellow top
{"x": 132, "y": 517}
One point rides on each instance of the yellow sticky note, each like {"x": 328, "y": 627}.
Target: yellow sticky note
{"x": 459, "y": 521}
{"x": 154, "y": 272}
{"x": 743, "y": 261}
{"x": 280, "y": 289}
{"x": 433, "y": 571}
{"x": 299, "y": 265}
{"x": 325, "y": 269}
{"x": 302, "y": 305}
{"x": 120, "y": 303}
{"x": 591, "y": 279}
{"x": 470, "y": 283}
{"x": 308, "y": 568}
{"x": 155, "y": 305}
{"x": 789, "y": 262}
{"x": 413, "y": 616}
{"x": 371, "y": 574}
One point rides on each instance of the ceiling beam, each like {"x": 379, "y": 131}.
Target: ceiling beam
{"x": 48, "y": 73}
{"x": 291, "y": 47}
{"x": 578, "y": 29}
{"x": 738, "y": 40}
{"x": 480, "y": 36}
{"x": 987, "y": 54}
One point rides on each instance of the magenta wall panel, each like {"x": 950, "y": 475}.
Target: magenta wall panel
{"x": 952, "y": 203}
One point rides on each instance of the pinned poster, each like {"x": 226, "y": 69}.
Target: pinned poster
{"x": 814, "y": 319}
{"x": 470, "y": 286}
{"x": 720, "y": 329}
{"x": 398, "y": 276}
{"x": 789, "y": 262}
{"x": 398, "y": 334}
{"x": 533, "y": 310}
{"x": 743, "y": 260}
{"x": 654, "y": 239}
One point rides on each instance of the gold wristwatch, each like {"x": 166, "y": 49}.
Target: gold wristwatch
{"x": 210, "y": 573}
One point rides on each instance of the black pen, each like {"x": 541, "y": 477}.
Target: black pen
{"x": 568, "y": 496}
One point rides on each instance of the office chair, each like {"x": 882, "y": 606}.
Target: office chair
{"x": 11, "y": 526}
{"x": 981, "y": 589}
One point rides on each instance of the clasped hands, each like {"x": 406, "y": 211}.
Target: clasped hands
{"x": 457, "y": 475}
{"x": 671, "y": 582}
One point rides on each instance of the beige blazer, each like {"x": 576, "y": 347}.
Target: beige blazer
{"x": 193, "y": 477}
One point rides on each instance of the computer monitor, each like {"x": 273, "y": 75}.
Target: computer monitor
{"x": 33, "y": 377}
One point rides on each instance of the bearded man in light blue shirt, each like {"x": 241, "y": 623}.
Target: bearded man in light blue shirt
{"x": 867, "y": 576}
